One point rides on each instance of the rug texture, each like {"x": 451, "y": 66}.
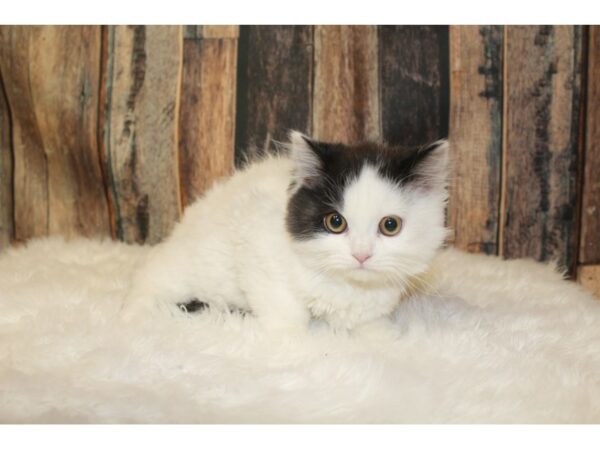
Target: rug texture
{"x": 494, "y": 341}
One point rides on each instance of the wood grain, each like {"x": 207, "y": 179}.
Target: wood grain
{"x": 51, "y": 76}
{"x": 413, "y": 64}
{"x": 219, "y": 31}
{"x": 589, "y": 251}
{"x": 475, "y": 136}
{"x": 139, "y": 134}
{"x": 346, "y": 88}
{"x": 207, "y": 114}
{"x": 543, "y": 87}
{"x": 589, "y": 277}
{"x": 6, "y": 175}
{"x": 274, "y": 92}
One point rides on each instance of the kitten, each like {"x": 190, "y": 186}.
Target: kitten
{"x": 330, "y": 231}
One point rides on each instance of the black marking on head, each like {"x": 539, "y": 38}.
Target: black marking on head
{"x": 336, "y": 165}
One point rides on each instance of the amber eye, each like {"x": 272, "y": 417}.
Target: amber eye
{"x": 334, "y": 222}
{"x": 390, "y": 225}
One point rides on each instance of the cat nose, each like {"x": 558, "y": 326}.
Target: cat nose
{"x": 361, "y": 257}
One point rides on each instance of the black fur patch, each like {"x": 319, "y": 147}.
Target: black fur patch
{"x": 339, "y": 165}
{"x": 193, "y": 305}
{"x": 196, "y": 306}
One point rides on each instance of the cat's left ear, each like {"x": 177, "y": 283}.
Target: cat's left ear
{"x": 308, "y": 157}
{"x": 431, "y": 166}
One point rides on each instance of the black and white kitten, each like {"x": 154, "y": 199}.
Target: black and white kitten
{"x": 326, "y": 230}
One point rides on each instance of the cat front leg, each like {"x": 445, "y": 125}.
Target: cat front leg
{"x": 274, "y": 305}
{"x": 157, "y": 286}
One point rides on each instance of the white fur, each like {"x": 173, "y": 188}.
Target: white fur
{"x": 304, "y": 162}
{"x": 495, "y": 341}
{"x": 232, "y": 248}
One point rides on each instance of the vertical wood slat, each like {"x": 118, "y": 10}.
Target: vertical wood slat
{"x": 139, "y": 135}
{"x": 207, "y": 111}
{"x": 589, "y": 251}
{"x": 51, "y": 76}
{"x": 346, "y": 96}
{"x": 6, "y": 176}
{"x": 30, "y": 175}
{"x": 413, "y": 83}
{"x": 589, "y": 277}
{"x": 542, "y": 79}
{"x": 475, "y": 136}
{"x": 274, "y": 92}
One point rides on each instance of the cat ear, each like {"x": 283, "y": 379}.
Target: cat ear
{"x": 431, "y": 166}
{"x": 308, "y": 157}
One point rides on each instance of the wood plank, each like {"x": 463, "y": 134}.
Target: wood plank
{"x": 139, "y": 129}
{"x": 51, "y": 77}
{"x": 346, "y": 86}
{"x": 274, "y": 92}
{"x": 30, "y": 166}
{"x": 414, "y": 74}
{"x": 589, "y": 277}
{"x": 475, "y": 135}
{"x": 6, "y": 176}
{"x": 589, "y": 251}
{"x": 207, "y": 112}
{"x": 542, "y": 88}
{"x": 219, "y": 31}
{"x": 211, "y": 31}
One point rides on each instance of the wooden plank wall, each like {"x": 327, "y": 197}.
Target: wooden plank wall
{"x": 140, "y": 129}
{"x": 6, "y": 176}
{"x": 274, "y": 86}
{"x": 543, "y": 70}
{"x": 207, "y": 110}
{"x": 589, "y": 250}
{"x": 50, "y": 77}
{"x": 476, "y": 71}
{"x": 112, "y": 131}
{"x": 414, "y": 83}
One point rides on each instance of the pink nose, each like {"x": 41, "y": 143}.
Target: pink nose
{"x": 361, "y": 257}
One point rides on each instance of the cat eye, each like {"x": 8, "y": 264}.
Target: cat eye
{"x": 335, "y": 223}
{"x": 390, "y": 225}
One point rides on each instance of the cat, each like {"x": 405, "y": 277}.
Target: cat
{"x": 324, "y": 230}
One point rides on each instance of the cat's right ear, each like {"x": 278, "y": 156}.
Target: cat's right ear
{"x": 307, "y": 156}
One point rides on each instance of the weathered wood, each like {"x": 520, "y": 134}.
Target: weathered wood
{"x": 139, "y": 134}
{"x": 219, "y": 31}
{"x": 51, "y": 80}
{"x": 589, "y": 277}
{"x": 274, "y": 85}
{"x": 589, "y": 251}
{"x": 211, "y": 31}
{"x": 413, "y": 64}
{"x": 207, "y": 114}
{"x": 475, "y": 135}
{"x": 6, "y": 175}
{"x": 542, "y": 89}
{"x": 30, "y": 166}
{"x": 346, "y": 88}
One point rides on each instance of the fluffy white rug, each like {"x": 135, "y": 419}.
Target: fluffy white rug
{"x": 499, "y": 342}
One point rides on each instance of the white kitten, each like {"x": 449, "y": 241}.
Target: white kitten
{"x": 327, "y": 230}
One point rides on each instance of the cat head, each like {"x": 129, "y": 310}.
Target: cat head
{"x": 367, "y": 213}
